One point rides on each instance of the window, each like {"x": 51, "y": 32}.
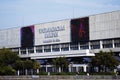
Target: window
{"x": 84, "y": 46}
{"x": 15, "y": 50}
{"x": 117, "y": 42}
{"x": 107, "y": 43}
{"x": 74, "y": 46}
{"x": 47, "y": 48}
{"x": 95, "y": 44}
{"x": 55, "y": 47}
{"x": 65, "y": 47}
{"x": 38, "y": 49}
{"x": 23, "y": 51}
{"x": 30, "y": 50}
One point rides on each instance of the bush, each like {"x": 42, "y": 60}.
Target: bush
{"x": 43, "y": 73}
{"x": 103, "y": 73}
{"x": 74, "y": 73}
{"x": 61, "y": 73}
{"x": 71, "y": 73}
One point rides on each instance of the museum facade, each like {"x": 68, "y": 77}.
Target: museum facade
{"x": 70, "y": 38}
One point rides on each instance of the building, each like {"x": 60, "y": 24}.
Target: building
{"x": 72, "y": 38}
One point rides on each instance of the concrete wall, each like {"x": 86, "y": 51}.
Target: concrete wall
{"x": 10, "y": 38}
{"x": 67, "y": 77}
{"x": 103, "y": 26}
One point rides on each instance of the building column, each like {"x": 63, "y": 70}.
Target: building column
{"x": 34, "y": 49}
{"x": 113, "y": 44}
{"x": 43, "y": 49}
{"x": 26, "y": 72}
{"x": 69, "y": 47}
{"x": 46, "y": 68}
{"x": 85, "y": 68}
{"x": 51, "y": 48}
{"x": 101, "y": 46}
{"x": 19, "y": 51}
{"x": 18, "y": 72}
{"x": 59, "y": 69}
{"x": 60, "y": 47}
{"x": 27, "y": 51}
{"x": 53, "y": 69}
{"x": 79, "y": 46}
{"x": 69, "y": 68}
{"x": 89, "y": 45}
{"x": 77, "y": 69}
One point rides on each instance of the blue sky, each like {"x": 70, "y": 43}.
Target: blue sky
{"x": 18, "y": 13}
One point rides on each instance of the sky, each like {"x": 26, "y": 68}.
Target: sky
{"x": 19, "y": 13}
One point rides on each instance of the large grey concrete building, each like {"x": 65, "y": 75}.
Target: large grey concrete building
{"x": 70, "y": 38}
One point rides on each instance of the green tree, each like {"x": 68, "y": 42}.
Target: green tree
{"x": 104, "y": 61}
{"x": 19, "y": 65}
{"x": 28, "y": 64}
{"x": 60, "y": 63}
{"x": 7, "y": 70}
{"x": 7, "y": 59}
{"x": 36, "y": 66}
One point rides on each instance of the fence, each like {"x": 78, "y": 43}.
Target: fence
{"x": 57, "y": 77}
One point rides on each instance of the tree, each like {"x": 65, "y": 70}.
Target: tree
{"x": 104, "y": 61}
{"x": 36, "y": 66}
{"x": 28, "y": 65}
{"x": 7, "y": 70}
{"x": 19, "y": 65}
{"x": 10, "y": 61}
{"x": 7, "y": 59}
{"x": 60, "y": 63}
{"x": 22, "y": 65}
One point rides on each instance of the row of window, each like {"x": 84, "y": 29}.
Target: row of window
{"x": 71, "y": 46}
